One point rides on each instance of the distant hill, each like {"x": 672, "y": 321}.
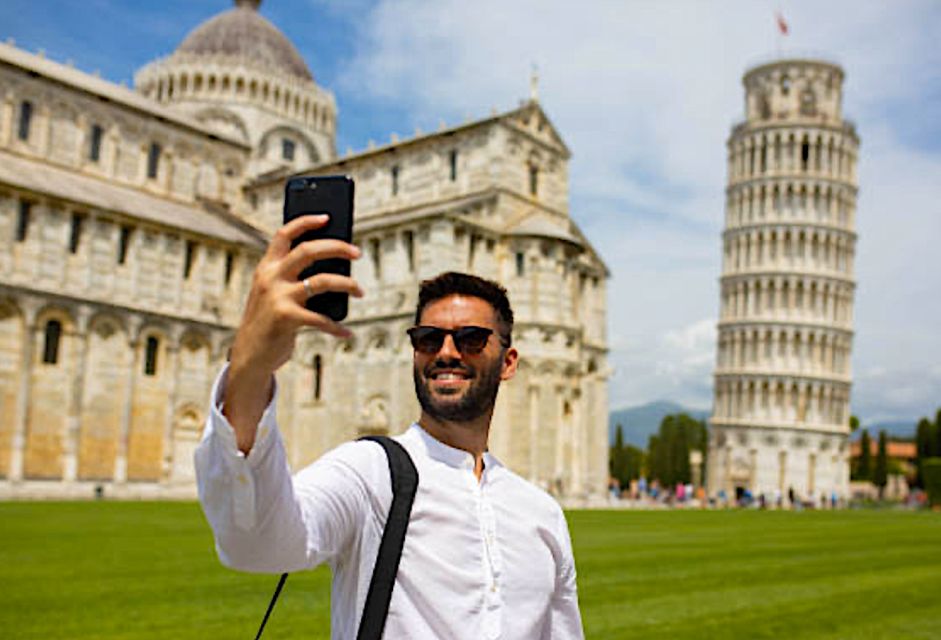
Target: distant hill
{"x": 893, "y": 428}
{"x": 641, "y": 421}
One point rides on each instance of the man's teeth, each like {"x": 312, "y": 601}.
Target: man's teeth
{"x": 448, "y": 376}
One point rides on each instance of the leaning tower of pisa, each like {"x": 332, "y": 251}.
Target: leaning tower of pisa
{"x": 782, "y": 380}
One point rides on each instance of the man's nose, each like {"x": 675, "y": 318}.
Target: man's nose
{"x": 448, "y": 349}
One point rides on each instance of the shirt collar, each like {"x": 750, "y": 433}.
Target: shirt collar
{"x": 449, "y": 455}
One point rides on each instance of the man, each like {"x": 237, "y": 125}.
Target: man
{"x": 487, "y": 555}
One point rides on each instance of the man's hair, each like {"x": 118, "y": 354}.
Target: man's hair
{"x": 464, "y": 284}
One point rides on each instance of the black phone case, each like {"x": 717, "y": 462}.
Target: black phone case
{"x": 333, "y": 195}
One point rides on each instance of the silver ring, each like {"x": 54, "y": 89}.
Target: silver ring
{"x": 310, "y": 294}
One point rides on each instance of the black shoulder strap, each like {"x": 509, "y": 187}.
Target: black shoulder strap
{"x": 404, "y": 485}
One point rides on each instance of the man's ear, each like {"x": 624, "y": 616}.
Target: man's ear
{"x": 510, "y": 362}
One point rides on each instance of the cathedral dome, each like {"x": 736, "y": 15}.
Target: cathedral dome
{"x": 243, "y": 33}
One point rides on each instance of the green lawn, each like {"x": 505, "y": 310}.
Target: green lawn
{"x": 147, "y": 570}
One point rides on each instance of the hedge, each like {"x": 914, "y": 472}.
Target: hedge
{"x": 931, "y": 470}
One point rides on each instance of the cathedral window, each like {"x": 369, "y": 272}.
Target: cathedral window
{"x": 805, "y": 154}
{"x": 395, "y": 180}
{"x": 26, "y": 117}
{"x": 533, "y": 180}
{"x": 22, "y": 220}
{"x": 123, "y": 243}
{"x": 150, "y": 356}
{"x": 318, "y": 376}
{"x": 408, "y": 240}
{"x": 287, "y": 149}
{"x": 75, "y": 236}
{"x": 94, "y": 146}
{"x": 229, "y": 261}
{"x": 50, "y": 352}
{"x": 375, "y": 251}
{"x": 520, "y": 264}
{"x": 188, "y": 259}
{"x": 153, "y": 160}
{"x": 453, "y": 162}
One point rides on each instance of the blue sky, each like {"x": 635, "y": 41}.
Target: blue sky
{"x": 644, "y": 94}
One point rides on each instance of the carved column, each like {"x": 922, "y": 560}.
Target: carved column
{"x": 73, "y": 423}
{"x": 30, "y": 308}
{"x": 120, "y": 460}
{"x": 173, "y": 367}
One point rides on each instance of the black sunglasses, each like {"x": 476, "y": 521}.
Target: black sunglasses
{"x": 468, "y": 340}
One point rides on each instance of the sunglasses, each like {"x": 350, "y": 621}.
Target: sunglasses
{"x": 468, "y": 340}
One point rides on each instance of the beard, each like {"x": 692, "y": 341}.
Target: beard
{"x": 462, "y": 406}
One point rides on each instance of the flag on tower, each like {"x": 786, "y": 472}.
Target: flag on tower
{"x": 782, "y": 23}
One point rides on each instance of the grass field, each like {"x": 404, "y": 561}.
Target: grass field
{"x": 148, "y": 570}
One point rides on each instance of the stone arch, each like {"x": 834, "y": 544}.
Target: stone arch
{"x": 105, "y": 391}
{"x": 153, "y": 381}
{"x": 295, "y": 134}
{"x": 225, "y": 121}
{"x": 194, "y": 367}
{"x": 188, "y": 422}
{"x": 12, "y": 337}
{"x": 346, "y": 349}
{"x": 51, "y": 386}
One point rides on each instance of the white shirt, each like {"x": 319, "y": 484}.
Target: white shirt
{"x": 489, "y": 559}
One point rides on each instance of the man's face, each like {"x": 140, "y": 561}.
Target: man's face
{"x": 460, "y": 387}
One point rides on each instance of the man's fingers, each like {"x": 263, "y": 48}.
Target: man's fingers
{"x": 308, "y": 318}
{"x": 306, "y": 253}
{"x": 281, "y": 242}
{"x": 323, "y": 282}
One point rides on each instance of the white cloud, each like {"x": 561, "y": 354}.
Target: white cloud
{"x": 644, "y": 94}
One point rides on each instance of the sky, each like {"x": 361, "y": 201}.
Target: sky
{"x": 644, "y": 94}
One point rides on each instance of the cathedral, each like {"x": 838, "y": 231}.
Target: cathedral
{"x": 131, "y": 222}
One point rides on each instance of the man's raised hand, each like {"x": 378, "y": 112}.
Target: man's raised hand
{"x": 274, "y": 312}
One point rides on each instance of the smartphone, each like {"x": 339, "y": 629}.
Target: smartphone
{"x": 333, "y": 195}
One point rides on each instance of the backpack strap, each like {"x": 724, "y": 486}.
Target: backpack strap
{"x": 404, "y": 485}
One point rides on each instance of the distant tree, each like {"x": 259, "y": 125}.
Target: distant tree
{"x": 864, "y": 465}
{"x": 633, "y": 462}
{"x": 924, "y": 433}
{"x": 654, "y": 457}
{"x": 937, "y": 434}
{"x": 880, "y": 474}
{"x": 668, "y": 451}
{"x": 854, "y": 424}
{"x": 625, "y": 462}
{"x": 932, "y": 470}
{"x": 616, "y": 456}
